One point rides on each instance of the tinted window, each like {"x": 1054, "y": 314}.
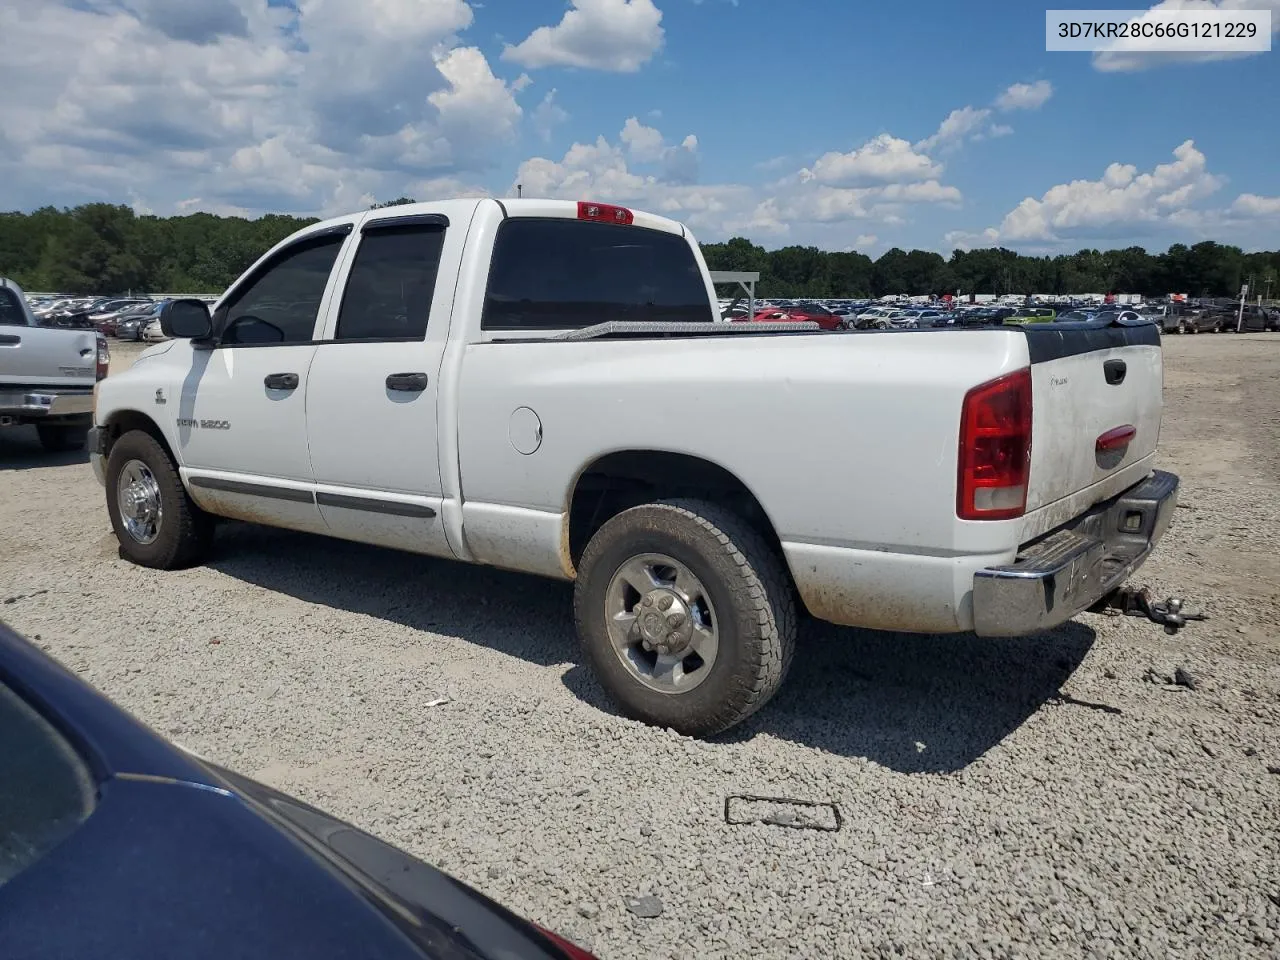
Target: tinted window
{"x": 566, "y": 274}
{"x": 11, "y": 313}
{"x": 389, "y": 290}
{"x": 280, "y": 302}
{"x": 45, "y": 789}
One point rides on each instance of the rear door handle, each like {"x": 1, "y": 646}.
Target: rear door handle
{"x": 1114, "y": 371}
{"x": 9, "y": 340}
{"x": 407, "y": 382}
{"x": 281, "y": 381}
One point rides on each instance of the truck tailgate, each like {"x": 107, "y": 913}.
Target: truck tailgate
{"x": 1096, "y": 402}
{"x": 47, "y": 357}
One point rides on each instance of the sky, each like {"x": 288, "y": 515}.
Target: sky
{"x": 837, "y": 123}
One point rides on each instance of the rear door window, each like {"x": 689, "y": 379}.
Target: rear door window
{"x": 46, "y": 791}
{"x": 391, "y": 284}
{"x": 556, "y": 274}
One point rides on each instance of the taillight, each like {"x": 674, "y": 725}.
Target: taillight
{"x": 1116, "y": 439}
{"x": 605, "y": 213}
{"x": 995, "y": 449}
{"x": 104, "y": 358}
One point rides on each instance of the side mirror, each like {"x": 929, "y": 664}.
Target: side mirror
{"x": 186, "y": 320}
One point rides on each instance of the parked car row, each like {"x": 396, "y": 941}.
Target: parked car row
{"x": 1173, "y": 317}
{"x": 81, "y": 312}
{"x": 125, "y": 318}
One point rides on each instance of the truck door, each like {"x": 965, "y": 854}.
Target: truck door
{"x": 241, "y": 409}
{"x": 371, "y": 397}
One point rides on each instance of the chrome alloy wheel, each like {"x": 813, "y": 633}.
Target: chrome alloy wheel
{"x": 138, "y": 497}
{"x": 662, "y": 624}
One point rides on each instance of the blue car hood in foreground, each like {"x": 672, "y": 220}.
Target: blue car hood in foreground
{"x": 182, "y": 859}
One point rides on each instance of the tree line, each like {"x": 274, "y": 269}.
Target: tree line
{"x": 103, "y": 248}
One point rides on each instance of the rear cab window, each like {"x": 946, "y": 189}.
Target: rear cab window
{"x": 560, "y": 274}
{"x": 46, "y": 791}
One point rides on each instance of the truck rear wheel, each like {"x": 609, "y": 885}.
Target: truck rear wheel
{"x": 151, "y": 512}
{"x": 62, "y": 437}
{"x": 686, "y": 614}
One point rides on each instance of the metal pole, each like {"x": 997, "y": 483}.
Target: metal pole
{"x": 1244, "y": 293}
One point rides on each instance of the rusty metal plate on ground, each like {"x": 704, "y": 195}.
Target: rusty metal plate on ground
{"x": 782, "y": 812}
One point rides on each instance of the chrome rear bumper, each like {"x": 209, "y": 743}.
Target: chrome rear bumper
{"x": 45, "y": 403}
{"x": 1075, "y": 566}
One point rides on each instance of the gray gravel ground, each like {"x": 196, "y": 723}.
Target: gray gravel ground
{"x": 1044, "y": 797}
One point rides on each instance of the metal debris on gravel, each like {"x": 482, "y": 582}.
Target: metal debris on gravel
{"x": 780, "y": 812}
{"x": 648, "y": 907}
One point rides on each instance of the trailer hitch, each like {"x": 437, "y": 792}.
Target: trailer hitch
{"x": 1172, "y": 614}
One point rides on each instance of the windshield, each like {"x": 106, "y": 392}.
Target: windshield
{"x": 45, "y": 789}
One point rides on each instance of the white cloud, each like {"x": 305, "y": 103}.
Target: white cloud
{"x": 1025, "y": 96}
{"x": 1121, "y": 199}
{"x": 1129, "y": 55}
{"x": 865, "y": 240}
{"x": 971, "y": 123}
{"x": 884, "y": 159}
{"x": 643, "y": 143}
{"x": 647, "y": 145}
{"x": 548, "y": 115}
{"x": 240, "y": 105}
{"x": 958, "y": 125}
{"x": 961, "y": 240}
{"x": 616, "y": 171}
{"x": 1251, "y": 205}
{"x": 615, "y": 35}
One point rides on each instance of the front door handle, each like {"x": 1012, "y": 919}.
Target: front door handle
{"x": 281, "y": 381}
{"x": 9, "y": 340}
{"x": 407, "y": 382}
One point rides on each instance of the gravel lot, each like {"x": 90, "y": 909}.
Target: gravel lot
{"x": 1052, "y": 796}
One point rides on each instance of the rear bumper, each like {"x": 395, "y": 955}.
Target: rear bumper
{"x": 1072, "y": 568}
{"x": 39, "y": 404}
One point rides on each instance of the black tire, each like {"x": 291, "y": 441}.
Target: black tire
{"x": 62, "y": 437}
{"x": 184, "y": 532}
{"x": 748, "y": 586}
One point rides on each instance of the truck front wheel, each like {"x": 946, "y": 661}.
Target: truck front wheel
{"x": 686, "y": 614}
{"x": 154, "y": 518}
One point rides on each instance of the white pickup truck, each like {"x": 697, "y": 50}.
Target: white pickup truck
{"x": 543, "y": 386}
{"x": 47, "y": 374}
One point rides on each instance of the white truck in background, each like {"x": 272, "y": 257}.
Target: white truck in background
{"x": 47, "y": 374}
{"x": 542, "y": 386}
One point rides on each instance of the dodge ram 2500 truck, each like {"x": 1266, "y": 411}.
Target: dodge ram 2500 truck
{"x": 47, "y": 375}
{"x": 545, "y": 386}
